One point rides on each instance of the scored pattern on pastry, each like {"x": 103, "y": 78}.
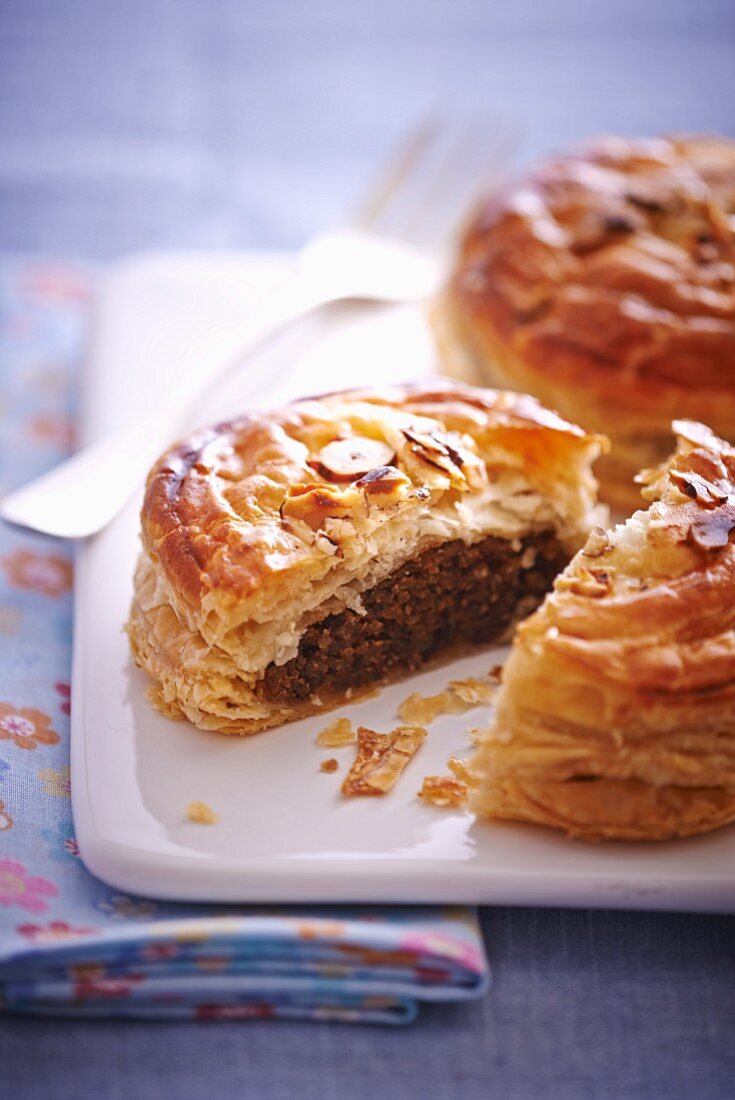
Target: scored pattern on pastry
{"x": 616, "y": 713}
{"x": 604, "y": 283}
{"x": 292, "y": 559}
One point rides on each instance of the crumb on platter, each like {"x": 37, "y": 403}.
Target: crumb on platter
{"x": 201, "y": 813}
{"x": 339, "y": 732}
{"x": 381, "y": 757}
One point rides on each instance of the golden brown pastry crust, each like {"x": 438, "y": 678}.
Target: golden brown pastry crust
{"x": 604, "y": 283}
{"x": 616, "y": 715}
{"x": 264, "y": 525}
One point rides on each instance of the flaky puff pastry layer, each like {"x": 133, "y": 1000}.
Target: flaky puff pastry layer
{"x": 260, "y": 527}
{"x": 604, "y": 283}
{"x": 616, "y": 715}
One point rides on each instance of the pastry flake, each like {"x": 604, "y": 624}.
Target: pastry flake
{"x": 443, "y": 790}
{"x": 460, "y": 770}
{"x": 381, "y": 757}
{"x": 337, "y": 733}
{"x": 473, "y": 692}
{"x": 427, "y": 708}
{"x": 459, "y": 696}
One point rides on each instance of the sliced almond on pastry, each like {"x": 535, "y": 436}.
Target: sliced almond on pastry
{"x": 352, "y": 458}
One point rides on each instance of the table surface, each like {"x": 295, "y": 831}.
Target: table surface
{"x": 231, "y": 123}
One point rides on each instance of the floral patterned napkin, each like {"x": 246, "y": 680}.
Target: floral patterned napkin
{"x": 68, "y": 943}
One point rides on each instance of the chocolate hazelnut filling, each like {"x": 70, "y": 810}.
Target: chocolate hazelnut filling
{"x": 451, "y": 596}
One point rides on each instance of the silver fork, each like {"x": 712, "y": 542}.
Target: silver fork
{"x": 381, "y": 255}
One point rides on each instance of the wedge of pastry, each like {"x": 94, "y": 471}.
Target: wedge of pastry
{"x": 616, "y": 714}
{"x": 292, "y": 559}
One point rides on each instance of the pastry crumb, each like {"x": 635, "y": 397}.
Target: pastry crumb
{"x": 443, "y": 790}
{"x": 339, "y": 732}
{"x": 460, "y": 695}
{"x": 381, "y": 757}
{"x": 329, "y": 765}
{"x": 425, "y": 708}
{"x": 473, "y": 692}
{"x": 461, "y": 771}
{"x": 201, "y": 813}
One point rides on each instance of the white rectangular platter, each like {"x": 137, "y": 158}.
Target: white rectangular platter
{"x": 284, "y": 833}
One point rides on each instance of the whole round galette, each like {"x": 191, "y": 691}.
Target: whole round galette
{"x": 603, "y": 282}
